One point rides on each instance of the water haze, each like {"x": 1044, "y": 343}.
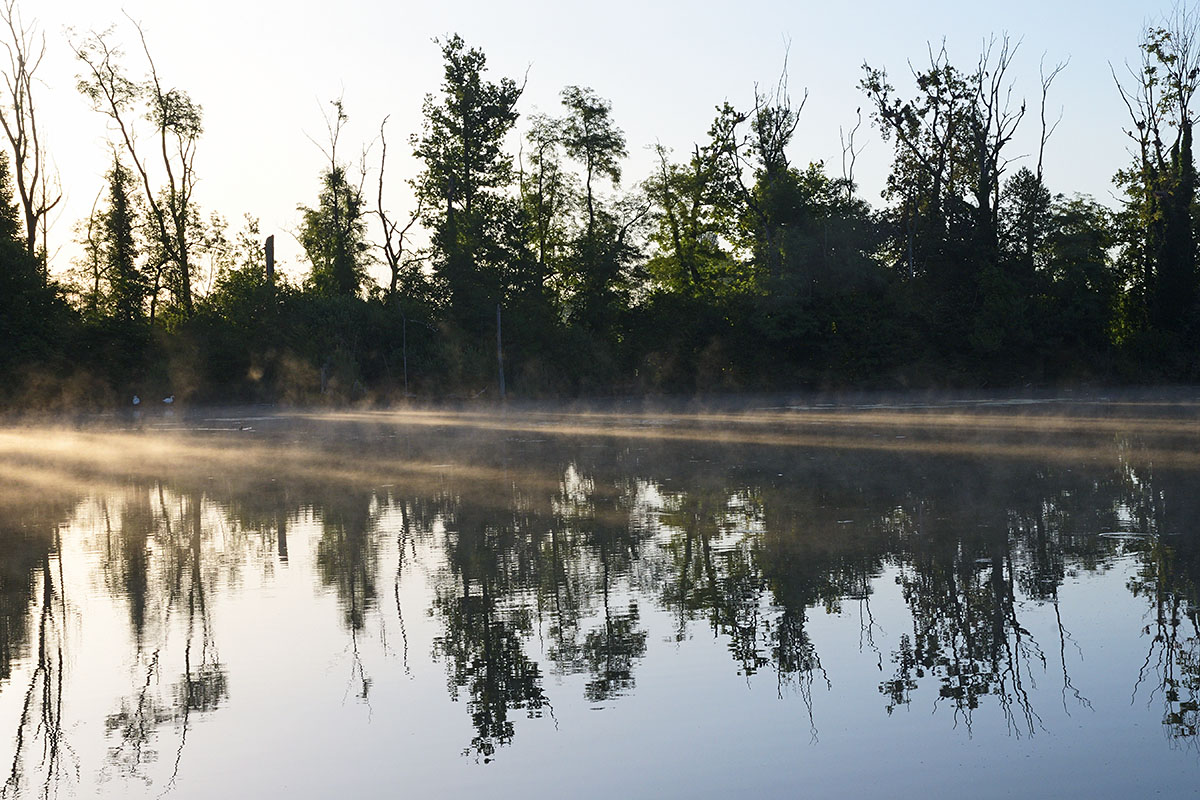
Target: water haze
{"x": 754, "y": 596}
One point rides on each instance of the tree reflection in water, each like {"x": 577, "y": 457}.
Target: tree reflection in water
{"x": 1166, "y": 508}
{"x": 347, "y": 561}
{"x": 163, "y": 561}
{"x": 565, "y": 565}
{"x": 484, "y": 630}
{"x": 41, "y": 729}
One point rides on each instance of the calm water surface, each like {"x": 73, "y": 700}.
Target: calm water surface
{"x": 984, "y": 599}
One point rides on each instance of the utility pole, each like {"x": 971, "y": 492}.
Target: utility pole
{"x": 270, "y": 247}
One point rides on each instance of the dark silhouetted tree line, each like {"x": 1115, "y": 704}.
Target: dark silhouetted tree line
{"x": 732, "y": 266}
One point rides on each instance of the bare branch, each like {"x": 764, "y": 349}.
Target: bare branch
{"x": 850, "y": 153}
{"x": 393, "y": 251}
{"x": 26, "y": 47}
{"x": 1047, "y": 131}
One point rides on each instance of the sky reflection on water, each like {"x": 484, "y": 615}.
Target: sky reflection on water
{"x": 774, "y": 603}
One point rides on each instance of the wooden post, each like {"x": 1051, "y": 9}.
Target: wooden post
{"x": 499, "y": 353}
{"x": 404, "y": 340}
{"x": 270, "y": 247}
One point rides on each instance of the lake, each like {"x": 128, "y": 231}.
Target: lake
{"x": 978, "y": 597}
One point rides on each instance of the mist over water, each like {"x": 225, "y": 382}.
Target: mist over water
{"x": 770, "y": 598}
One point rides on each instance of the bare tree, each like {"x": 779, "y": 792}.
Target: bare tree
{"x": 993, "y": 125}
{"x": 850, "y": 153}
{"x": 1047, "y": 129}
{"x": 393, "y": 234}
{"x": 950, "y": 139}
{"x": 26, "y": 47}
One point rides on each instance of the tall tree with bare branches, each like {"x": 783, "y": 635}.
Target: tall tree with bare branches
{"x": 334, "y": 233}
{"x": 393, "y": 233}
{"x": 176, "y": 128}
{"x": 952, "y": 152}
{"x": 37, "y": 193}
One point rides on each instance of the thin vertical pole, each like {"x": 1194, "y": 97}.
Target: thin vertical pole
{"x": 499, "y": 352}
{"x": 405, "y": 340}
{"x": 270, "y": 248}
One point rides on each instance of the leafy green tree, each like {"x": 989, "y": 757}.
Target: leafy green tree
{"x": 950, "y": 154}
{"x": 591, "y": 138}
{"x": 334, "y": 233}
{"x": 1084, "y": 285}
{"x": 119, "y": 247}
{"x": 464, "y": 184}
{"x": 548, "y": 197}
{"x": 690, "y": 234}
{"x": 32, "y": 312}
{"x": 1160, "y": 187}
{"x": 334, "y": 236}
{"x": 599, "y": 275}
{"x": 1025, "y": 222}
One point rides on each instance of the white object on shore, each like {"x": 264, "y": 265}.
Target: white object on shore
{"x": 136, "y": 400}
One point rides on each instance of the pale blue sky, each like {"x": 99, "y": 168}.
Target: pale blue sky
{"x": 263, "y": 71}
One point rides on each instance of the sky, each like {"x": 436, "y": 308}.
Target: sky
{"x": 264, "y": 72}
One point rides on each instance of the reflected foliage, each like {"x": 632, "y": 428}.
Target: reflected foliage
{"x": 562, "y": 559}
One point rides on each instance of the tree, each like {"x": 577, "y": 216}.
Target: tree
{"x": 759, "y": 209}
{"x": 689, "y": 224}
{"x": 334, "y": 233}
{"x": 548, "y": 196}
{"x": 32, "y": 314}
{"x": 951, "y": 145}
{"x": 1024, "y": 216}
{"x": 591, "y": 138}
{"x": 601, "y": 250}
{"x": 1084, "y": 286}
{"x": 1160, "y": 186}
{"x": 119, "y": 248}
{"x": 176, "y": 122}
{"x": 393, "y": 234}
{"x": 464, "y": 181}
{"x": 26, "y": 48}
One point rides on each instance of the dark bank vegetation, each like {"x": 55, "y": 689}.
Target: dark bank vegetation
{"x": 534, "y": 264}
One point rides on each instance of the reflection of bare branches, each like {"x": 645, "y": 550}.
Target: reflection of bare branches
{"x": 204, "y": 687}
{"x": 966, "y": 632}
{"x": 798, "y": 664}
{"x": 42, "y": 709}
{"x": 866, "y": 629}
{"x": 358, "y": 674}
{"x": 1063, "y": 636}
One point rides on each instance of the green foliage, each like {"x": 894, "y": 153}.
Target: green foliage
{"x": 734, "y": 268}
{"x": 689, "y": 213}
{"x": 333, "y": 236}
{"x": 463, "y": 184}
{"x": 119, "y": 248}
{"x": 171, "y": 222}
{"x": 33, "y": 314}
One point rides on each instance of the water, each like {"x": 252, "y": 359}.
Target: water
{"x": 995, "y": 598}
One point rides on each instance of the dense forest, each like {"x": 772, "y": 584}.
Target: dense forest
{"x": 530, "y": 269}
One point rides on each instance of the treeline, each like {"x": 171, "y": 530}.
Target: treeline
{"x": 730, "y": 267}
